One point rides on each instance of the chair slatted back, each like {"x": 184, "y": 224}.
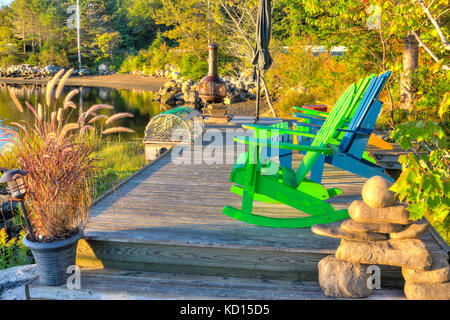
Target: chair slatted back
{"x": 326, "y": 132}
{"x": 374, "y": 90}
{"x": 364, "y": 81}
{"x": 335, "y": 120}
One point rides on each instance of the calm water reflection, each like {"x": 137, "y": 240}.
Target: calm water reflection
{"x": 137, "y": 102}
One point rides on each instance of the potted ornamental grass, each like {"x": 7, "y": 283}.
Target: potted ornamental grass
{"x": 54, "y": 153}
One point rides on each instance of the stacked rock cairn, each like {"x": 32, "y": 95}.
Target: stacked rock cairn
{"x": 381, "y": 233}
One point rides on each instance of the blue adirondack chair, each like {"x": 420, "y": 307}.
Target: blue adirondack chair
{"x": 316, "y": 119}
{"x": 356, "y": 137}
{"x": 312, "y": 125}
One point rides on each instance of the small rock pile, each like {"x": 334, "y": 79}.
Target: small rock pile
{"x": 103, "y": 70}
{"x": 240, "y": 89}
{"x": 380, "y": 233}
{"x": 169, "y": 72}
{"x": 179, "y": 91}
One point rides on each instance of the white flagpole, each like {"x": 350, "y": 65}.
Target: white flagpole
{"x": 78, "y": 34}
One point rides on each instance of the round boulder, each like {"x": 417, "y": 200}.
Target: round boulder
{"x": 376, "y": 193}
{"x": 340, "y": 279}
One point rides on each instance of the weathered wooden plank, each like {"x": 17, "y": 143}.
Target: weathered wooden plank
{"x": 109, "y": 284}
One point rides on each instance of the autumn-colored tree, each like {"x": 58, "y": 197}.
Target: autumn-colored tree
{"x": 386, "y": 35}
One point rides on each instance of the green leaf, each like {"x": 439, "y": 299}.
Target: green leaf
{"x": 417, "y": 211}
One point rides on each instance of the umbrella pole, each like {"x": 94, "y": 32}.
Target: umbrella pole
{"x": 258, "y": 79}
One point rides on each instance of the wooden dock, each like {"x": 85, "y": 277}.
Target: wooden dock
{"x": 162, "y": 235}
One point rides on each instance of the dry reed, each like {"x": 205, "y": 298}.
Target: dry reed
{"x": 117, "y": 130}
{"x": 119, "y": 116}
{"x": 58, "y": 157}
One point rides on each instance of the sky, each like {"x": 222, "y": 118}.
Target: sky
{"x": 3, "y": 2}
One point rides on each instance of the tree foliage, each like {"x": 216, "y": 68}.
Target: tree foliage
{"x": 373, "y": 32}
{"x": 46, "y": 30}
{"x": 425, "y": 180}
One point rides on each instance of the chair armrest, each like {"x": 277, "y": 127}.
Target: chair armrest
{"x": 355, "y": 132}
{"x": 307, "y": 116}
{"x": 272, "y": 132}
{"x": 309, "y": 125}
{"x": 283, "y": 145}
{"x": 312, "y": 112}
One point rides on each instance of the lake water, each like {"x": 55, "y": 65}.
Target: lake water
{"x": 137, "y": 102}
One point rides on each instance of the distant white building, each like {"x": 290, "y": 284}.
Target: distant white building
{"x": 317, "y": 50}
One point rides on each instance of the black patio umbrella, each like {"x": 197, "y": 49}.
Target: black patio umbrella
{"x": 262, "y": 59}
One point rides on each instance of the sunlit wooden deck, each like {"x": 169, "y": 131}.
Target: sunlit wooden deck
{"x": 168, "y": 218}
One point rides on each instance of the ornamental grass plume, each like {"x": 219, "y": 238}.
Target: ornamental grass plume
{"x": 58, "y": 156}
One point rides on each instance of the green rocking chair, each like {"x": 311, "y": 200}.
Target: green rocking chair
{"x": 258, "y": 179}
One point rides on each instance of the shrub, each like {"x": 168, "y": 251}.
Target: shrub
{"x": 12, "y": 251}
{"x": 323, "y": 76}
{"x": 133, "y": 63}
{"x": 194, "y": 67}
{"x": 33, "y": 59}
{"x": 292, "y": 98}
{"x": 425, "y": 180}
{"x": 52, "y": 56}
{"x": 148, "y": 61}
{"x": 9, "y": 60}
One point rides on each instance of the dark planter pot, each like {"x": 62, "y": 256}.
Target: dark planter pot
{"x": 53, "y": 259}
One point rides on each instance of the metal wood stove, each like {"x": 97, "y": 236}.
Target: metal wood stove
{"x": 212, "y": 90}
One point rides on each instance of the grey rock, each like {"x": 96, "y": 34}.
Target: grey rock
{"x": 336, "y": 232}
{"x": 170, "y": 98}
{"x": 191, "y": 97}
{"x": 340, "y": 279}
{"x": 175, "y": 75}
{"x": 243, "y": 95}
{"x": 438, "y": 273}
{"x": 103, "y": 68}
{"x": 361, "y": 212}
{"x": 13, "y": 277}
{"x": 427, "y": 291}
{"x": 240, "y": 85}
{"x": 84, "y": 72}
{"x": 353, "y": 226}
{"x": 410, "y": 253}
{"x": 170, "y": 84}
{"x": 186, "y": 86}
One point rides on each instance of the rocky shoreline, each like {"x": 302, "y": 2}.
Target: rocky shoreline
{"x": 27, "y": 71}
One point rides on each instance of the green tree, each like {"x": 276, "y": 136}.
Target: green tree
{"x": 107, "y": 42}
{"x": 8, "y": 48}
{"x": 187, "y": 21}
{"x": 141, "y": 26}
